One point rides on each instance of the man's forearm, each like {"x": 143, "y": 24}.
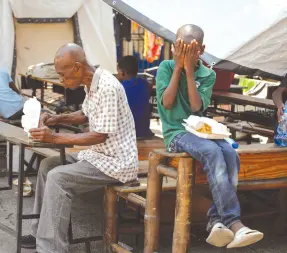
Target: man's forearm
{"x": 193, "y": 95}
{"x": 83, "y": 139}
{"x": 169, "y": 94}
{"x": 77, "y": 118}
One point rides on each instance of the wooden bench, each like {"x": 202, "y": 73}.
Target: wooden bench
{"x": 144, "y": 148}
{"x": 230, "y": 97}
{"x": 263, "y": 166}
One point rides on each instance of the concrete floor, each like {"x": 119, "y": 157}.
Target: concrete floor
{"x": 87, "y": 217}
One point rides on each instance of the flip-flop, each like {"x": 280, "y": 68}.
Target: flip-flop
{"x": 27, "y": 190}
{"x": 220, "y": 235}
{"x": 244, "y": 237}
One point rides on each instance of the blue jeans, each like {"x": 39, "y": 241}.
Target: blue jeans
{"x": 221, "y": 165}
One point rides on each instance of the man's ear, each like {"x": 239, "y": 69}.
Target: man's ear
{"x": 202, "y": 48}
{"x": 78, "y": 65}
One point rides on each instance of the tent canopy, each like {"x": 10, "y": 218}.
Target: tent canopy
{"x": 243, "y": 36}
{"x": 37, "y": 42}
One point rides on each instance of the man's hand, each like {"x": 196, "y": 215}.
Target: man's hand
{"x": 47, "y": 119}
{"x": 280, "y": 112}
{"x": 42, "y": 134}
{"x": 178, "y": 52}
{"x": 191, "y": 56}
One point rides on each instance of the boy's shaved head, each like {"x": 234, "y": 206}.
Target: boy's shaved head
{"x": 190, "y": 32}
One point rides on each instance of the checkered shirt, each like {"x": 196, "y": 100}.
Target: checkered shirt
{"x": 108, "y": 111}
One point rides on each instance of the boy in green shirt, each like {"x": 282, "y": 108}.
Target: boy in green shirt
{"x": 184, "y": 88}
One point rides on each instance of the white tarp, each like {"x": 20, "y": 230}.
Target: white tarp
{"x": 6, "y": 35}
{"x": 95, "y": 18}
{"x": 249, "y": 33}
{"x": 37, "y": 43}
{"x": 45, "y": 8}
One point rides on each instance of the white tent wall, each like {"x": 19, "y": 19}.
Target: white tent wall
{"x": 97, "y": 33}
{"x": 36, "y": 43}
{"x": 6, "y": 35}
{"x": 45, "y": 8}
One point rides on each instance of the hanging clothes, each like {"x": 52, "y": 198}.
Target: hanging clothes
{"x": 135, "y": 26}
{"x": 152, "y": 46}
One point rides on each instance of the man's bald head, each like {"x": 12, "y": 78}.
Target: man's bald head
{"x": 69, "y": 54}
{"x": 70, "y": 63}
{"x": 190, "y": 32}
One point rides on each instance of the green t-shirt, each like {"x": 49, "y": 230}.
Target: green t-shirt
{"x": 172, "y": 119}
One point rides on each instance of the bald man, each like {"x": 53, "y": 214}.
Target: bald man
{"x": 112, "y": 158}
{"x": 184, "y": 88}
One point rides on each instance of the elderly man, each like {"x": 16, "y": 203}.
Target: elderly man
{"x": 112, "y": 159}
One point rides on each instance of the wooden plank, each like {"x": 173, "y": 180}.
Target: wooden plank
{"x": 30, "y": 143}
{"x": 44, "y": 80}
{"x": 7, "y": 130}
{"x": 168, "y": 184}
{"x": 257, "y": 162}
{"x": 242, "y": 99}
{"x": 45, "y": 152}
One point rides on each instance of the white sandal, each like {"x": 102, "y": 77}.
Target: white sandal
{"x": 244, "y": 237}
{"x": 220, "y": 235}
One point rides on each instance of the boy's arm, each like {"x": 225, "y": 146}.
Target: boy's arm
{"x": 169, "y": 94}
{"x": 193, "y": 94}
{"x": 190, "y": 61}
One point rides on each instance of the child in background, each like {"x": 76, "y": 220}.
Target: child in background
{"x": 138, "y": 94}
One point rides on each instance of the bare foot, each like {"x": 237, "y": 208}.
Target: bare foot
{"x": 236, "y": 226}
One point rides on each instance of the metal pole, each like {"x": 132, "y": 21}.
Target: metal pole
{"x": 20, "y": 197}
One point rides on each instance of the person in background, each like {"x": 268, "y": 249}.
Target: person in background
{"x": 11, "y": 102}
{"x": 279, "y": 97}
{"x": 138, "y": 94}
{"x": 184, "y": 87}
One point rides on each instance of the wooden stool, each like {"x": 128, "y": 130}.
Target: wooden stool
{"x": 130, "y": 194}
{"x": 161, "y": 165}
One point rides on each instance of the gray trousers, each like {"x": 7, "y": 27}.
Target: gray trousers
{"x": 57, "y": 186}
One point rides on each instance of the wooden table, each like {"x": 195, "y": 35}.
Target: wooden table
{"x": 74, "y": 97}
{"x": 224, "y": 96}
{"x": 17, "y": 136}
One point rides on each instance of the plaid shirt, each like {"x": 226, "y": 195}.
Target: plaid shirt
{"x": 108, "y": 111}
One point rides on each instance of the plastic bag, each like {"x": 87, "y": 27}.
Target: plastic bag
{"x": 31, "y": 117}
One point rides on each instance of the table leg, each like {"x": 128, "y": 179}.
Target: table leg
{"x": 181, "y": 233}
{"x": 10, "y": 164}
{"x": 20, "y": 197}
{"x": 63, "y": 155}
{"x": 152, "y": 212}
{"x": 43, "y": 93}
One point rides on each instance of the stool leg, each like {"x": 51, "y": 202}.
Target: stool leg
{"x": 152, "y": 212}
{"x": 181, "y": 232}
{"x": 110, "y": 219}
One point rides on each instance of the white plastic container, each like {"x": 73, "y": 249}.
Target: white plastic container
{"x": 31, "y": 117}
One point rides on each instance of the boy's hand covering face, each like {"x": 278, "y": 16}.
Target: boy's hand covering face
{"x": 191, "y": 56}
{"x": 178, "y": 52}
